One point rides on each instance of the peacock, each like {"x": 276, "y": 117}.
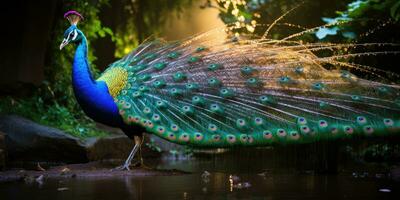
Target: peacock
{"x": 218, "y": 90}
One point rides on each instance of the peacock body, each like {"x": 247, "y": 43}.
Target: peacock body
{"x": 218, "y": 90}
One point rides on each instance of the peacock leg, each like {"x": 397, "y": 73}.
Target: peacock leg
{"x": 140, "y": 158}
{"x": 128, "y": 161}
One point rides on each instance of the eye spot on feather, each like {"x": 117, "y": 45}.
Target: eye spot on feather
{"x": 143, "y": 122}
{"x": 226, "y": 93}
{"x": 213, "y": 82}
{"x": 127, "y": 105}
{"x": 361, "y": 120}
{"x": 175, "y": 92}
{"x": 179, "y": 76}
{"x": 322, "y": 124}
{"x": 200, "y": 49}
{"x": 160, "y": 130}
{"x": 368, "y": 130}
{"x": 144, "y": 77}
{"x": 215, "y": 108}
{"x": 253, "y": 82}
{"x": 212, "y": 128}
{"x": 346, "y": 75}
{"x": 355, "y": 97}
{"x": 244, "y": 138}
{"x": 159, "y": 66}
{"x": 188, "y": 110}
{"x": 159, "y": 84}
{"x": 281, "y": 133}
{"x": 136, "y": 119}
{"x": 388, "y": 122}
{"x": 258, "y": 121}
{"x": 156, "y": 117}
{"x": 214, "y": 66}
{"x": 383, "y": 89}
{"x": 323, "y": 105}
{"x": 184, "y": 137}
{"x": 299, "y": 69}
{"x": 192, "y": 86}
{"x": 265, "y": 100}
{"x": 318, "y": 86}
{"x": 131, "y": 119}
{"x": 197, "y": 100}
{"x": 304, "y": 129}
{"x": 231, "y": 139}
{"x": 284, "y": 79}
{"x": 149, "y": 124}
{"x": 143, "y": 88}
{"x": 173, "y": 55}
{"x": 160, "y": 104}
{"x": 216, "y": 138}
{"x": 241, "y": 123}
{"x": 348, "y": 129}
{"x": 267, "y": 134}
{"x": 198, "y": 136}
{"x": 146, "y": 110}
{"x": 138, "y": 68}
{"x": 171, "y": 136}
{"x": 301, "y": 120}
{"x": 247, "y": 70}
{"x": 294, "y": 135}
{"x": 174, "y": 128}
{"x": 193, "y": 59}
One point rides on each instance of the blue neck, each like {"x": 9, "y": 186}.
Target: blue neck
{"x": 82, "y": 79}
{"x": 91, "y": 95}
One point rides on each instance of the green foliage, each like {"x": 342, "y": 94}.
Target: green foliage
{"x": 361, "y": 12}
{"x": 52, "y": 115}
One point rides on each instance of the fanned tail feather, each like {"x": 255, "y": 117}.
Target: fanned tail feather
{"x": 214, "y": 90}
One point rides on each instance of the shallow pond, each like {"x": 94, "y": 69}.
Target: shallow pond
{"x": 227, "y": 180}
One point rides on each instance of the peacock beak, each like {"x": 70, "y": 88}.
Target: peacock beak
{"x": 64, "y": 43}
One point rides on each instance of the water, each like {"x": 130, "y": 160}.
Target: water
{"x": 278, "y": 186}
{"x": 273, "y": 184}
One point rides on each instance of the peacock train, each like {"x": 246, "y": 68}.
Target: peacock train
{"x": 214, "y": 90}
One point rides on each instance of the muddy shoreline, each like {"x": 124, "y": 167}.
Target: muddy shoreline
{"x": 91, "y": 170}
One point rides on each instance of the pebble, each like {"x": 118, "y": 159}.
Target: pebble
{"x": 384, "y": 190}
{"x": 62, "y": 189}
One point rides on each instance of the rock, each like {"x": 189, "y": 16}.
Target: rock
{"x": 2, "y": 151}
{"x": 395, "y": 173}
{"x": 27, "y": 141}
{"x": 116, "y": 147}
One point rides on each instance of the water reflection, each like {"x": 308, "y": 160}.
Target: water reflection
{"x": 220, "y": 186}
{"x": 237, "y": 177}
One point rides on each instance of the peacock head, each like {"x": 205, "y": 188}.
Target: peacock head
{"x": 72, "y": 34}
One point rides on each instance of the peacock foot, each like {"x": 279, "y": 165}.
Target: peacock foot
{"x": 122, "y": 168}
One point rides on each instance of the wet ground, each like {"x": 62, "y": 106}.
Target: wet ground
{"x": 95, "y": 181}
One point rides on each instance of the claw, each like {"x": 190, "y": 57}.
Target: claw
{"x": 128, "y": 162}
{"x": 121, "y": 168}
